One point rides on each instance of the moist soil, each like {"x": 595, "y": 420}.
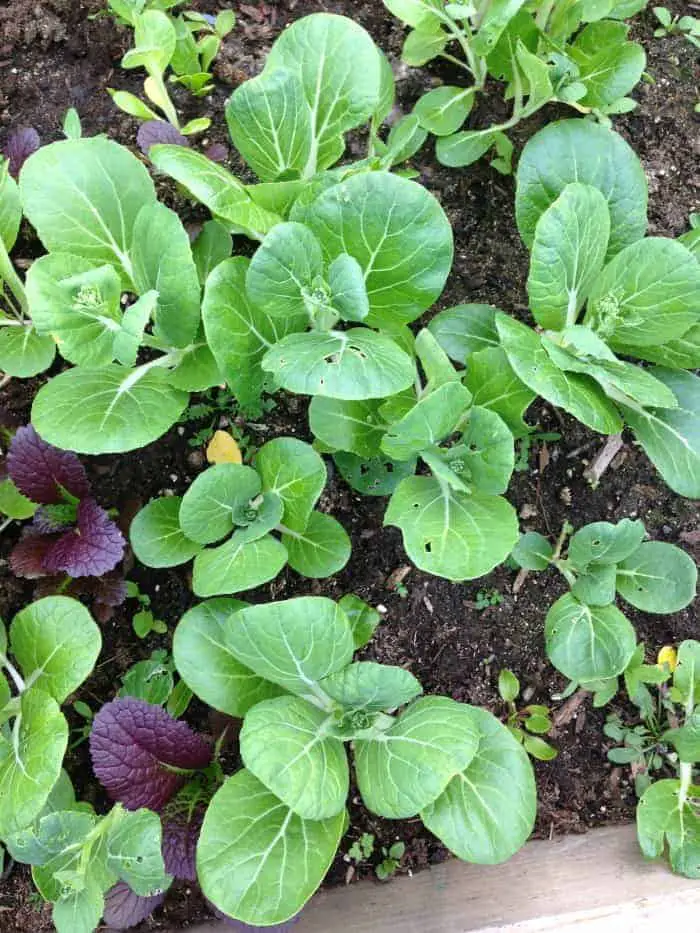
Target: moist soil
{"x": 53, "y": 55}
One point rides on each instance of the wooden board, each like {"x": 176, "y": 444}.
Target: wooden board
{"x": 597, "y": 883}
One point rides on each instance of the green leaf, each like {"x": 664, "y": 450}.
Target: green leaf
{"x": 403, "y": 770}
{"x": 236, "y": 566}
{"x": 197, "y": 370}
{"x": 448, "y": 533}
{"x": 239, "y": 333}
{"x": 596, "y": 586}
{"x": 134, "y": 321}
{"x": 283, "y": 274}
{"x": 605, "y": 543}
{"x": 465, "y": 148}
{"x": 205, "y": 661}
{"x": 465, "y": 329}
{"x": 415, "y": 13}
{"x": 533, "y": 551}
{"x": 588, "y": 643}
{"x": 352, "y": 364}
{"x": 398, "y": 233}
{"x": 80, "y": 909}
{"x": 25, "y": 353}
{"x": 30, "y": 759}
{"x": 257, "y": 114}
{"x": 217, "y": 501}
{"x": 77, "y": 304}
{"x": 664, "y": 819}
{"x": 154, "y": 42}
{"x": 671, "y": 437}
{"x": 582, "y": 151}
{"x": 433, "y": 418}
{"x": 436, "y": 363}
{"x": 686, "y": 739}
{"x": 162, "y": 260}
{"x": 373, "y": 687}
{"x": 132, "y": 105}
{"x": 373, "y": 476}
{"x": 497, "y": 16}
{"x": 363, "y": 618}
{"x": 355, "y": 426}
{"x": 83, "y": 197}
{"x": 485, "y": 452}
{"x": 658, "y": 577}
{"x": 575, "y": 393}
{"x": 508, "y": 686}
{"x": 10, "y": 207}
{"x": 686, "y": 677}
{"x": 294, "y": 471}
{"x": 321, "y": 550}
{"x": 680, "y": 353}
{"x": 423, "y": 45}
{"x": 609, "y": 66}
{"x": 13, "y": 504}
{"x": 134, "y": 852}
{"x": 405, "y": 139}
{"x": 294, "y": 643}
{"x": 443, "y": 110}
{"x": 488, "y": 811}
{"x": 56, "y": 643}
{"x": 107, "y": 410}
{"x": 494, "y": 386}
{"x": 339, "y": 98}
{"x": 264, "y": 515}
{"x": 250, "y": 835}
{"x": 224, "y": 195}
{"x": 538, "y": 748}
{"x": 645, "y": 296}
{"x": 285, "y": 743}
{"x": 212, "y": 246}
{"x": 348, "y": 293}
{"x": 571, "y": 240}
{"x": 156, "y": 535}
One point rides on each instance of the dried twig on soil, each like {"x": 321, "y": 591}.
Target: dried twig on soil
{"x": 604, "y": 458}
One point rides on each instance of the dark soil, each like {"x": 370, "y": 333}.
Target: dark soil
{"x": 52, "y": 56}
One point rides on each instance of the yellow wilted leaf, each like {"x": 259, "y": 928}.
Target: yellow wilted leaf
{"x": 223, "y": 448}
{"x": 667, "y": 657}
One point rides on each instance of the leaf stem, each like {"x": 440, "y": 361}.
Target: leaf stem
{"x": 13, "y": 672}
{"x": 13, "y": 281}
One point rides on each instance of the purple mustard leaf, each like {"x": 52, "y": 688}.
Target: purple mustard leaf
{"x": 38, "y": 469}
{"x": 95, "y": 547}
{"x": 181, "y": 829}
{"x": 124, "y": 909}
{"x": 217, "y": 152}
{"x": 20, "y": 144}
{"x": 133, "y": 743}
{"x": 51, "y": 519}
{"x": 154, "y": 132}
{"x": 29, "y": 554}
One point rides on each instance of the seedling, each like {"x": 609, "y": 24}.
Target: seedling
{"x": 671, "y": 25}
{"x": 545, "y": 52}
{"x": 529, "y": 723}
{"x": 86, "y": 714}
{"x": 362, "y": 849}
{"x": 144, "y": 622}
{"x": 485, "y": 599}
{"x": 302, "y": 700}
{"x": 391, "y": 862}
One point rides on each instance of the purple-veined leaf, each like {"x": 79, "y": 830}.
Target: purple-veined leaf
{"x": 180, "y": 834}
{"x": 38, "y": 469}
{"x": 50, "y": 520}
{"x": 133, "y": 744}
{"x": 154, "y": 132}
{"x": 28, "y": 555}
{"x": 124, "y": 909}
{"x": 95, "y": 547}
{"x": 20, "y": 144}
{"x": 217, "y": 152}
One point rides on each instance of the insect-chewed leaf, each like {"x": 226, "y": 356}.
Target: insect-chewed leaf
{"x": 354, "y": 426}
{"x": 321, "y": 549}
{"x": 605, "y": 543}
{"x": 294, "y": 471}
{"x": 407, "y": 767}
{"x": 485, "y": 453}
{"x": 429, "y": 422}
{"x": 352, "y": 364}
{"x": 293, "y": 643}
{"x": 487, "y": 812}
{"x": 398, "y": 233}
{"x": 671, "y": 437}
{"x": 249, "y": 834}
{"x": 31, "y": 765}
{"x": 207, "y": 665}
{"x": 134, "y": 851}
{"x": 139, "y": 752}
{"x": 580, "y": 151}
{"x": 533, "y": 551}
{"x": 658, "y": 577}
{"x": 285, "y": 743}
{"x": 217, "y": 501}
{"x": 373, "y": 476}
{"x": 588, "y": 643}
{"x": 83, "y": 196}
{"x": 39, "y": 470}
{"x": 107, "y": 410}
{"x": 596, "y": 586}
{"x": 574, "y": 392}
{"x": 664, "y": 820}
{"x": 366, "y": 685}
{"x": 156, "y": 535}
{"x": 56, "y": 643}
{"x": 91, "y": 549}
{"x": 571, "y": 240}
{"x": 450, "y": 533}
{"x": 237, "y": 565}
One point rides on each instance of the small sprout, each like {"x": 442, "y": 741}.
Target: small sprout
{"x": 391, "y": 861}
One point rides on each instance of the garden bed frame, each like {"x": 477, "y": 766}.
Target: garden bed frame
{"x": 594, "y": 883}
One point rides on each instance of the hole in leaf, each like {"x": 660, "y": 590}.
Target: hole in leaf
{"x": 428, "y": 547}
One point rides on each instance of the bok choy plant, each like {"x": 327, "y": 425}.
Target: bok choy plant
{"x": 287, "y": 669}
{"x": 245, "y": 505}
{"x": 600, "y": 292}
{"x": 576, "y": 53}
